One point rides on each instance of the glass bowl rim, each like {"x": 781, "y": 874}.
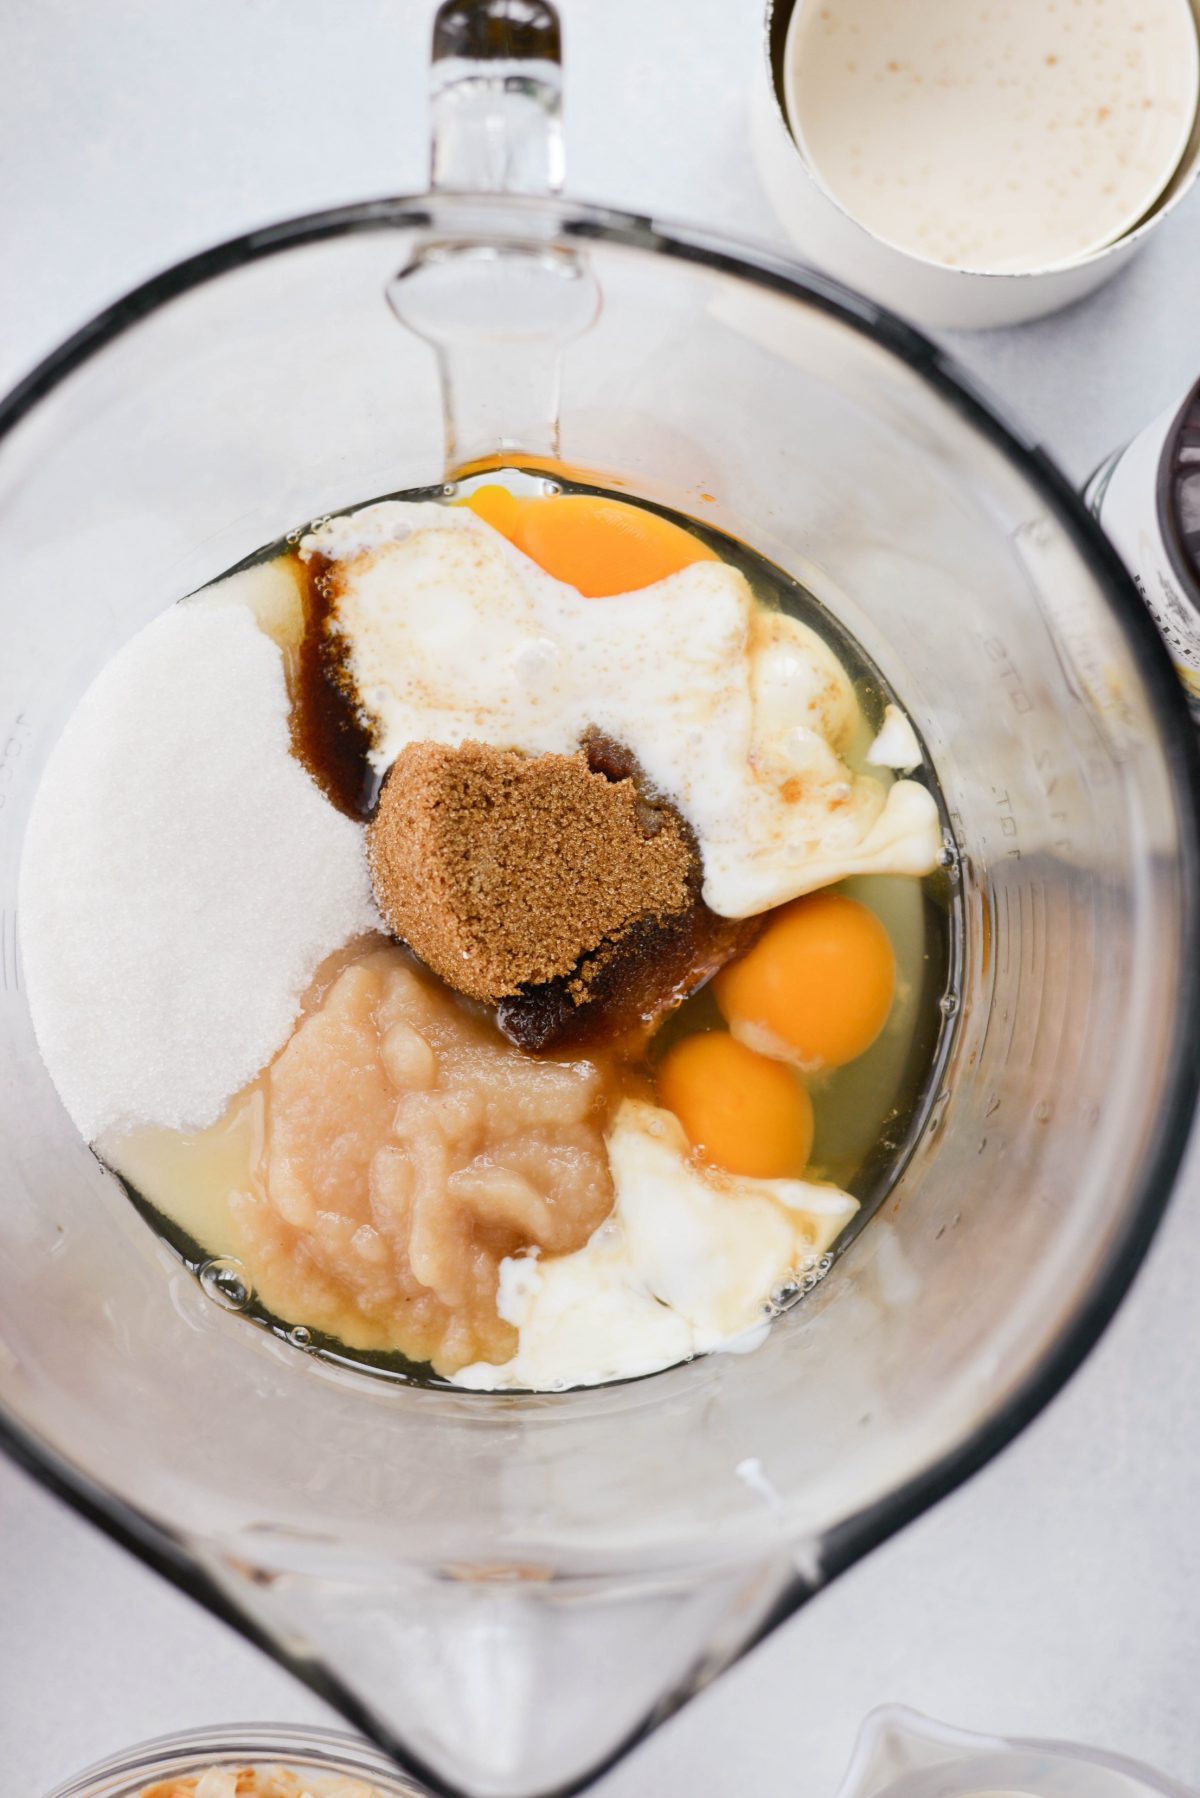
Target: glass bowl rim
{"x": 184, "y": 1753}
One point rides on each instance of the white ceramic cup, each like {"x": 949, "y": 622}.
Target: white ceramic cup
{"x": 928, "y": 292}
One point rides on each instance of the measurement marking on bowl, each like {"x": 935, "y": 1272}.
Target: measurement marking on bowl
{"x": 8, "y": 957}
{"x": 750, "y": 1472}
{"x": 15, "y": 743}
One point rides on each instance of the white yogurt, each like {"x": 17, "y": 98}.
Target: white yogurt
{"x": 993, "y": 135}
{"x": 684, "y": 1266}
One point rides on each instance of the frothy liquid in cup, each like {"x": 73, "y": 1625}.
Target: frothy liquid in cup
{"x": 996, "y": 135}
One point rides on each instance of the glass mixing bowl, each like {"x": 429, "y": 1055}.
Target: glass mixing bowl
{"x": 507, "y": 1591}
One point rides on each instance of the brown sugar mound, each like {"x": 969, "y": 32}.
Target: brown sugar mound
{"x": 505, "y": 872}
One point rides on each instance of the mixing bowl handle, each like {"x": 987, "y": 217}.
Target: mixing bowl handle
{"x": 496, "y": 98}
{"x": 498, "y": 306}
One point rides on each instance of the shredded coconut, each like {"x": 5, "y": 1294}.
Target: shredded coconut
{"x": 182, "y": 878}
{"x": 259, "y": 1782}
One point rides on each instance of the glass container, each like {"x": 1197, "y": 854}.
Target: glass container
{"x": 507, "y": 1591}
{"x": 900, "y": 1754}
{"x": 324, "y": 1757}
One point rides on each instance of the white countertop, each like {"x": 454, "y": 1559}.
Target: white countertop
{"x": 1059, "y": 1592}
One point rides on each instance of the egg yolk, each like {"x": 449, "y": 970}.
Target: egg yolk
{"x": 740, "y": 1111}
{"x": 599, "y": 546}
{"x": 496, "y": 506}
{"x": 817, "y": 986}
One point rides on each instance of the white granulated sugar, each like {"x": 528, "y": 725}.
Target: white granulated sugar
{"x": 182, "y": 878}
